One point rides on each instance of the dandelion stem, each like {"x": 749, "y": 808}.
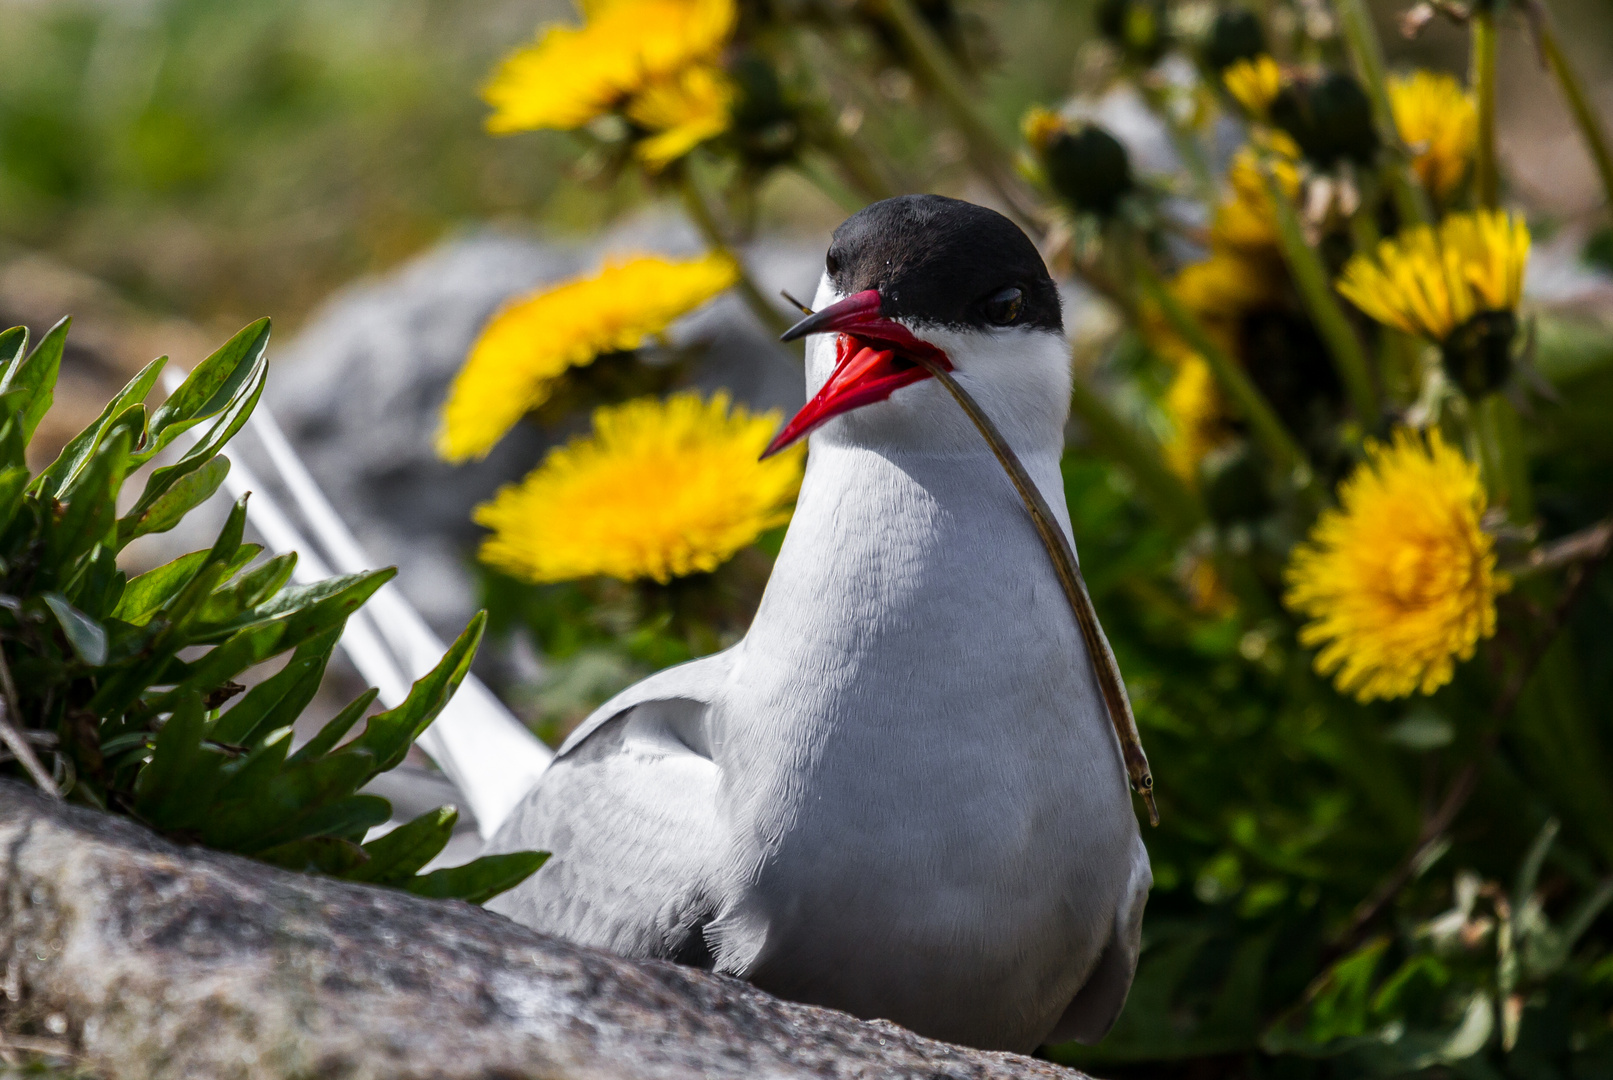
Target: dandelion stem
{"x": 1486, "y": 175}
{"x": 1246, "y": 398}
{"x": 1366, "y": 53}
{"x": 1315, "y": 288}
{"x": 1495, "y": 422}
{"x": 1138, "y": 453}
{"x": 1068, "y": 571}
{"x": 1590, "y": 125}
{"x": 705, "y": 221}
{"x": 1186, "y": 144}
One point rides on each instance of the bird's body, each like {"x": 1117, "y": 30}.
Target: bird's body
{"x": 899, "y": 795}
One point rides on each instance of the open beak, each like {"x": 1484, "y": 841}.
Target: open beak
{"x": 873, "y": 359}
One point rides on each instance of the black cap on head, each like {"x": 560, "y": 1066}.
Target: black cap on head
{"x": 944, "y": 262}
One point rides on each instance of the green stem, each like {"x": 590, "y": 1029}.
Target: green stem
{"x": 706, "y": 222}
{"x": 1500, "y": 436}
{"x": 1316, "y": 290}
{"x": 1487, "y": 178}
{"x": 1246, "y": 398}
{"x": 1366, "y": 55}
{"x": 1139, "y": 454}
{"x": 855, "y": 161}
{"x": 812, "y": 165}
{"x": 1590, "y": 125}
{"x": 989, "y": 151}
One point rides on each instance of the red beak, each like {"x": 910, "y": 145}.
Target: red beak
{"x": 873, "y": 359}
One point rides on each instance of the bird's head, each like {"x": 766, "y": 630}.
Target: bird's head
{"x": 927, "y": 276}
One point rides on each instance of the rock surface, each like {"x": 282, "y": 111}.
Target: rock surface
{"x": 156, "y": 960}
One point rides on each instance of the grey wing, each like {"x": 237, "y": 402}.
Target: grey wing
{"x": 629, "y": 810}
{"x": 1098, "y": 1003}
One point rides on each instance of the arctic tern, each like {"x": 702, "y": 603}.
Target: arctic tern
{"x": 900, "y": 795}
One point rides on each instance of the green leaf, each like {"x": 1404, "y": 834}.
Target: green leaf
{"x": 77, "y": 452}
{"x": 92, "y": 504}
{"x": 99, "y": 584}
{"x": 224, "y": 610}
{"x": 390, "y": 734}
{"x": 35, "y": 378}
{"x": 168, "y": 509}
{"x": 84, "y": 634}
{"x": 317, "y": 855}
{"x": 401, "y": 853}
{"x": 279, "y": 814}
{"x": 281, "y": 698}
{"x": 212, "y": 386}
{"x": 479, "y": 881}
{"x": 13, "y": 445}
{"x": 13, "y": 482}
{"x": 339, "y": 725}
{"x": 222, "y": 431}
{"x": 166, "y": 788}
{"x": 146, "y": 594}
{"x": 13, "y": 343}
{"x": 248, "y": 777}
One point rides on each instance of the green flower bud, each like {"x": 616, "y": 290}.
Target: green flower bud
{"x": 1137, "y": 27}
{"x": 1235, "y": 35}
{"x": 1478, "y": 354}
{"x": 1330, "y": 119}
{"x": 1088, "y": 168}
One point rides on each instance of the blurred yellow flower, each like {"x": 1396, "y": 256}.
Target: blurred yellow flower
{"x": 1439, "y": 122}
{"x": 684, "y": 110}
{"x": 1248, "y": 220}
{"x": 661, "y": 489}
{"x": 1197, "y": 415}
{"x": 1430, "y": 284}
{"x": 664, "y": 50}
{"x": 1039, "y": 126}
{"x": 1399, "y": 582}
{"x": 531, "y": 342}
{"x": 1255, "y": 83}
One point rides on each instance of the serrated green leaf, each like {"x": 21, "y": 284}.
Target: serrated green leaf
{"x": 390, "y": 734}
{"x": 317, "y": 855}
{"x": 233, "y": 605}
{"x": 99, "y": 584}
{"x": 92, "y": 504}
{"x": 339, "y": 725}
{"x": 287, "y": 806}
{"x": 187, "y": 493}
{"x": 35, "y": 377}
{"x": 77, "y": 452}
{"x": 13, "y": 446}
{"x": 222, "y": 431}
{"x": 479, "y": 881}
{"x": 248, "y": 777}
{"x": 317, "y": 605}
{"x": 280, "y": 698}
{"x": 13, "y": 482}
{"x": 84, "y": 634}
{"x": 165, "y": 783}
{"x": 401, "y": 853}
{"x": 212, "y": 385}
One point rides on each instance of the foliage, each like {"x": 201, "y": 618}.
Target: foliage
{"x": 120, "y": 684}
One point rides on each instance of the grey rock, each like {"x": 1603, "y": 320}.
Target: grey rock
{"x": 156, "y": 960}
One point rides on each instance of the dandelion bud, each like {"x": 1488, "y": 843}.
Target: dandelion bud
{"x": 1236, "y": 34}
{"x": 1330, "y": 118}
{"x": 1478, "y": 354}
{"x": 1085, "y": 165}
{"x": 1136, "y": 27}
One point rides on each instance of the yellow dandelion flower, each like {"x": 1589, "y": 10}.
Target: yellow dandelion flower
{"x": 1197, "y": 416}
{"x": 1399, "y": 582}
{"x": 1039, "y": 126}
{"x": 1248, "y": 220}
{"x": 661, "y": 489}
{"x": 1430, "y": 284}
{"x": 1255, "y": 83}
{"x": 684, "y": 111}
{"x": 1225, "y": 286}
{"x": 534, "y": 340}
{"x": 572, "y": 75}
{"x": 1440, "y": 122}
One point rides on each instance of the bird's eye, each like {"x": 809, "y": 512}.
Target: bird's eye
{"x": 831, "y": 263}
{"x": 1003, "y": 308}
